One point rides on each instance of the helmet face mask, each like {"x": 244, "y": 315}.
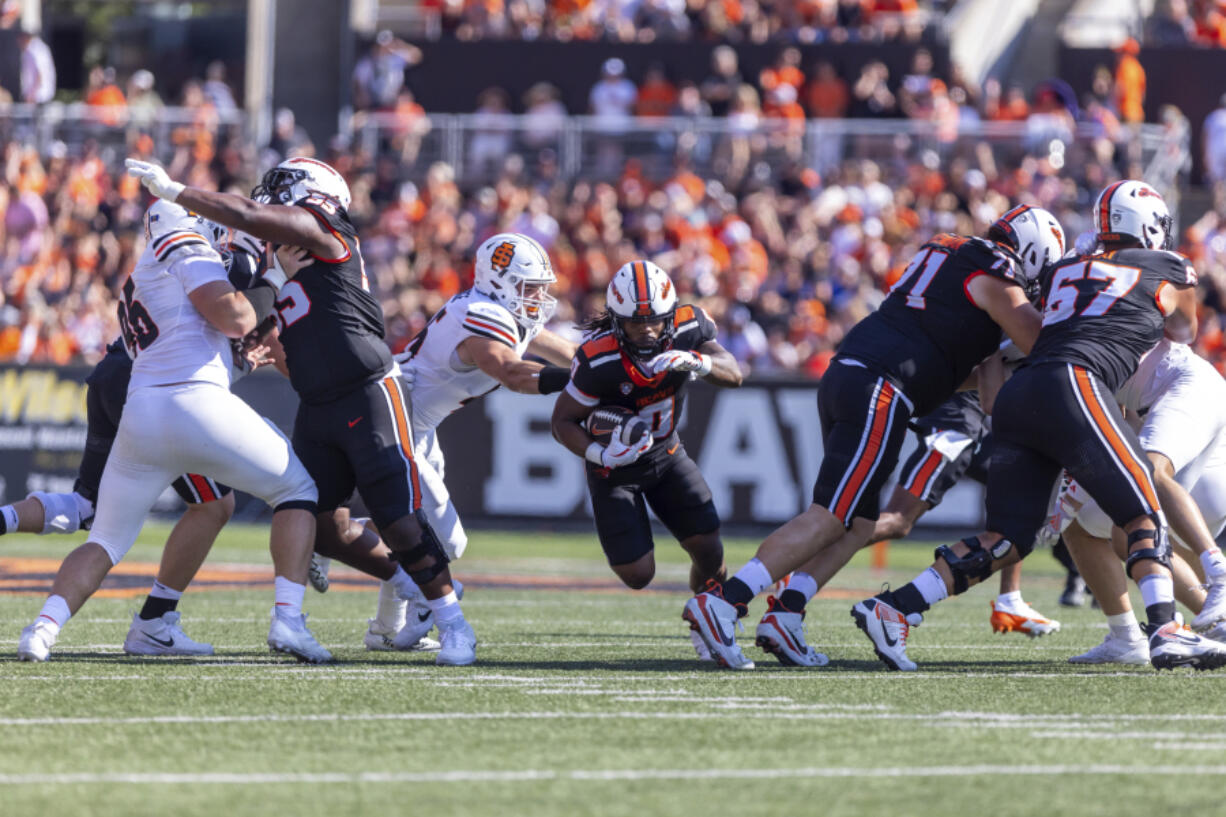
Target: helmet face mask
{"x": 294, "y": 179}
{"x": 515, "y": 271}
{"x": 642, "y": 293}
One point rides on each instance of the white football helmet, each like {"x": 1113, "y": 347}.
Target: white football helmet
{"x": 294, "y": 179}
{"x": 1033, "y": 234}
{"x": 515, "y": 271}
{"x": 1133, "y": 210}
{"x": 642, "y": 292}
{"x": 165, "y": 217}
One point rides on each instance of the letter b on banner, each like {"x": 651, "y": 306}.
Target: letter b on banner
{"x": 531, "y": 473}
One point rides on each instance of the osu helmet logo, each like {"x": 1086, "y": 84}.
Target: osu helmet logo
{"x": 503, "y": 255}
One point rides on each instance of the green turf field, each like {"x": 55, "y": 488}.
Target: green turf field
{"x": 591, "y": 703}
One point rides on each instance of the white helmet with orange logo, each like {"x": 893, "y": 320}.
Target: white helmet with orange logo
{"x": 1133, "y": 210}
{"x": 641, "y": 292}
{"x": 514, "y": 270}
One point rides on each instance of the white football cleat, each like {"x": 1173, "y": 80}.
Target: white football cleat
{"x": 459, "y": 643}
{"x": 715, "y": 622}
{"x": 1114, "y": 650}
{"x": 1214, "y": 608}
{"x": 36, "y": 641}
{"x": 1174, "y": 645}
{"x": 782, "y": 633}
{"x": 161, "y": 636}
{"x": 888, "y": 629}
{"x": 317, "y": 572}
{"x": 1021, "y": 618}
{"x": 292, "y": 637}
{"x": 378, "y": 640}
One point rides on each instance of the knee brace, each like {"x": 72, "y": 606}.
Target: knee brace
{"x": 64, "y": 513}
{"x": 429, "y": 546}
{"x": 975, "y": 565}
{"x": 1160, "y": 552}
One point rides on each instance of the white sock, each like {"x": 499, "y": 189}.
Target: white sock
{"x": 391, "y": 610}
{"x": 1124, "y": 626}
{"x": 289, "y": 597}
{"x": 931, "y": 586}
{"x": 161, "y": 591}
{"x": 10, "y": 518}
{"x": 1010, "y": 599}
{"x": 803, "y": 583}
{"x": 446, "y": 608}
{"x": 404, "y": 585}
{"x": 1214, "y": 563}
{"x": 1157, "y": 588}
{"x": 755, "y": 575}
{"x": 55, "y": 611}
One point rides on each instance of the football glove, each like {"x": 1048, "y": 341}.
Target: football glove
{"x": 681, "y": 361}
{"x": 152, "y": 176}
{"x": 408, "y": 374}
{"x": 617, "y": 454}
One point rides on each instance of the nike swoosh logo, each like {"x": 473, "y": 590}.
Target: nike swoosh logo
{"x": 672, "y": 450}
{"x": 423, "y": 616}
{"x": 353, "y": 423}
{"x": 713, "y": 623}
{"x": 170, "y": 642}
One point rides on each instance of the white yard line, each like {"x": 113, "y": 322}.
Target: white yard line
{"x": 531, "y": 775}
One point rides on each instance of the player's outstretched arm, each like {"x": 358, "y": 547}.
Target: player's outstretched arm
{"x": 553, "y": 347}
{"x": 712, "y": 362}
{"x": 1005, "y": 302}
{"x": 272, "y": 222}
{"x": 504, "y": 364}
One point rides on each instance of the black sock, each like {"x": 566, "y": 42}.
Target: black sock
{"x": 793, "y": 600}
{"x": 906, "y": 599}
{"x": 1161, "y": 613}
{"x": 736, "y": 592}
{"x": 156, "y": 608}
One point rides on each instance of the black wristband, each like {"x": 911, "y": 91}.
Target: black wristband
{"x": 552, "y": 379}
{"x": 261, "y": 297}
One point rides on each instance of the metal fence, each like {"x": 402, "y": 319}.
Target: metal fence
{"x": 478, "y": 145}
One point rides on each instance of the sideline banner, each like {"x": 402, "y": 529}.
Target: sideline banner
{"x": 758, "y": 446}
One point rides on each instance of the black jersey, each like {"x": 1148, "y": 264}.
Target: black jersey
{"x": 602, "y": 374}
{"x": 1101, "y": 311}
{"x": 331, "y": 326}
{"x": 928, "y": 334}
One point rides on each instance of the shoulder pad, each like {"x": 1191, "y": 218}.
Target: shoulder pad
{"x": 599, "y": 345}
{"x": 182, "y": 244}
{"x": 685, "y": 314}
{"x": 491, "y": 321}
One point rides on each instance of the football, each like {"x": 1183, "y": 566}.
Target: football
{"x": 604, "y": 421}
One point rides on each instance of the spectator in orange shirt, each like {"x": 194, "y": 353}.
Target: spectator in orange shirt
{"x": 785, "y": 71}
{"x": 826, "y": 95}
{"x": 656, "y": 95}
{"x": 1130, "y": 82}
{"x": 102, "y": 92}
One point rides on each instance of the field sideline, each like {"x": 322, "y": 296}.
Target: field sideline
{"x": 583, "y": 701}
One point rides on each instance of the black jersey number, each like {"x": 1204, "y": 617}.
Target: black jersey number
{"x": 919, "y": 274}
{"x": 137, "y": 326}
{"x": 1109, "y": 283}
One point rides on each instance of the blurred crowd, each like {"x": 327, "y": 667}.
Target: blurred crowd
{"x": 785, "y": 252}
{"x": 650, "y": 20}
{"x": 1187, "y": 22}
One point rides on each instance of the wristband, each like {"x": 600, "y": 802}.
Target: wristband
{"x": 594, "y": 454}
{"x": 171, "y": 191}
{"x": 551, "y": 379}
{"x": 707, "y": 364}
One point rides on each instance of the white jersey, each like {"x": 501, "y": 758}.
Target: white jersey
{"x": 1159, "y": 370}
{"x": 168, "y": 340}
{"x": 443, "y": 383}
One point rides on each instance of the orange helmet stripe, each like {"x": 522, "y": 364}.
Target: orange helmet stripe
{"x": 642, "y": 296}
{"x": 1104, "y": 209}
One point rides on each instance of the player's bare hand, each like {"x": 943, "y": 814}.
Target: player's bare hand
{"x": 259, "y": 356}
{"x": 293, "y": 259}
